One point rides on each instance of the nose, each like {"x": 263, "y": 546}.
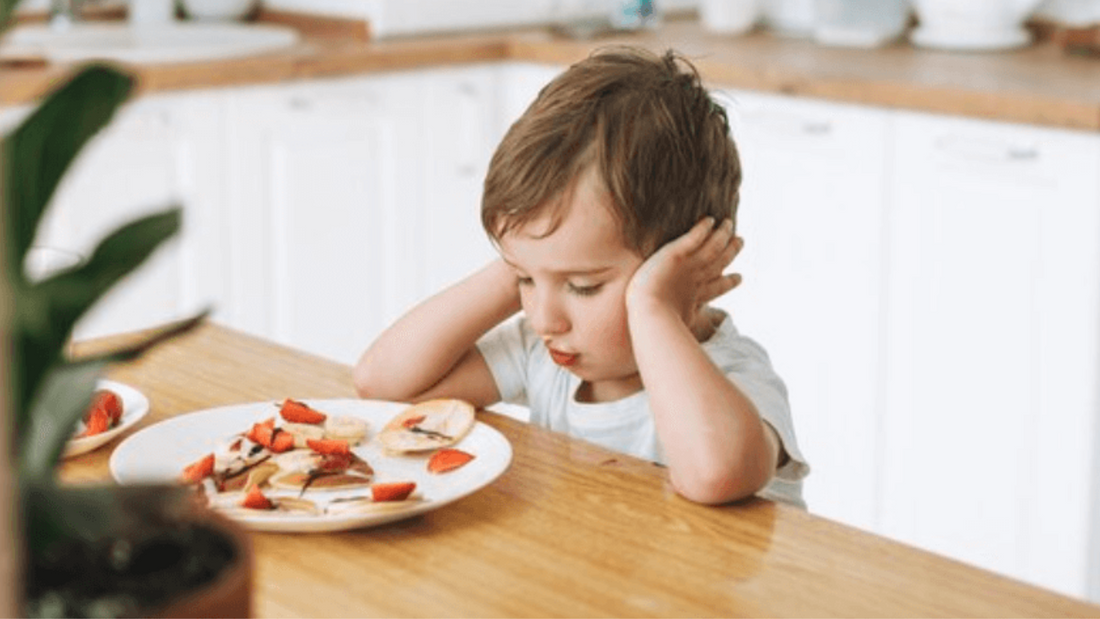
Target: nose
{"x": 546, "y": 313}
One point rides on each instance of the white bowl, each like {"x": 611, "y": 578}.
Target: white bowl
{"x": 729, "y": 16}
{"x": 218, "y": 10}
{"x": 972, "y": 24}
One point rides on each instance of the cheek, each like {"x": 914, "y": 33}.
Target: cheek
{"x": 609, "y": 323}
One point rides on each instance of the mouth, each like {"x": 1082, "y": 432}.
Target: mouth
{"x": 562, "y": 358}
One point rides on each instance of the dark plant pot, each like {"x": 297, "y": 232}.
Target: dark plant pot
{"x": 128, "y": 551}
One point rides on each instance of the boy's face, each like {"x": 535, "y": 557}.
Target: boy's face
{"x": 572, "y": 286}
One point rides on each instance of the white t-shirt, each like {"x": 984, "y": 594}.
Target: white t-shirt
{"x": 525, "y": 374}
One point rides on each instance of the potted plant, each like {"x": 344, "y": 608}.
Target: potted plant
{"x": 105, "y": 550}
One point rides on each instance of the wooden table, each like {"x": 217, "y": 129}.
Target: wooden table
{"x": 569, "y": 529}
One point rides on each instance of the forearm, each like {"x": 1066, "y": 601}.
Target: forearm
{"x": 424, "y": 345}
{"x": 715, "y": 443}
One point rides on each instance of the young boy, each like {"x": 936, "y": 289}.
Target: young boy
{"x": 611, "y": 202}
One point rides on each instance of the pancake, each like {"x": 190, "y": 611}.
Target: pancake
{"x": 428, "y": 425}
{"x": 306, "y": 469}
{"x": 364, "y": 505}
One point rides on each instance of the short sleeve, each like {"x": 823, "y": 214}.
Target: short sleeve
{"x": 752, "y": 372}
{"x": 505, "y": 349}
{"x": 747, "y": 365}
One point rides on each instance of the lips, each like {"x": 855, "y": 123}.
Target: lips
{"x": 563, "y": 358}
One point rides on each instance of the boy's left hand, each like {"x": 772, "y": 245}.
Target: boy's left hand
{"x": 687, "y": 272}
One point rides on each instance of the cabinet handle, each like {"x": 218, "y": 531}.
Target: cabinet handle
{"x": 978, "y": 149}
{"x": 820, "y": 127}
{"x": 351, "y": 103}
{"x": 788, "y": 123}
{"x": 301, "y": 104}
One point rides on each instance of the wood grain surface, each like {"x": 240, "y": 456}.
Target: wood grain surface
{"x": 1037, "y": 85}
{"x": 570, "y": 529}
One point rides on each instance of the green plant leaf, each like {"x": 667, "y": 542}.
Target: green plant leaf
{"x": 7, "y": 7}
{"x": 65, "y": 394}
{"x": 73, "y": 292}
{"x": 38, "y": 152}
{"x": 46, "y": 311}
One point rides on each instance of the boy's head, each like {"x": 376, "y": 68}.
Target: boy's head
{"x": 645, "y": 123}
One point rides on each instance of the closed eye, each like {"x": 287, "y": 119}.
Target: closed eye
{"x": 524, "y": 281}
{"x": 585, "y": 291}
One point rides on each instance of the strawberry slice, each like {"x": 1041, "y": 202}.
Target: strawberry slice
{"x": 262, "y": 432}
{"x": 392, "y": 491}
{"x": 96, "y": 421}
{"x": 300, "y": 412}
{"x": 445, "y": 460}
{"x": 281, "y": 441}
{"x": 109, "y": 402}
{"x": 255, "y": 499}
{"x": 412, "y": 422}
{"x": 198, "y": 470}
{"x": 335, "y": 462}
{"x": 328, "y": 446}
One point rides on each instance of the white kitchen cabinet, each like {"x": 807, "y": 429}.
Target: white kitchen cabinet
{"x": 993, "y": 346}
{"x": 158, "y": 151}
{"x": 811, "y": 213}
{"x": 354, "y": 199}
{"x": 322, "y": 175}
{"x": 459, "y": 137}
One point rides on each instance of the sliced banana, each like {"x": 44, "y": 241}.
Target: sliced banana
{"x": 303, "y": 432}
{"x": 297, "y": 461}
{"x": 260, "y": 474}
{"x": 345, "y": 427}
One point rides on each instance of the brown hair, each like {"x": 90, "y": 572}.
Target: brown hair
{"x": 661, "y": 145}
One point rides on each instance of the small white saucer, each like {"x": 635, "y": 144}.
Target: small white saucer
{"x": 972, "y": 40}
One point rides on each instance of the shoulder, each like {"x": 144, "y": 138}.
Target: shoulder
{"x": 730, "y": 349}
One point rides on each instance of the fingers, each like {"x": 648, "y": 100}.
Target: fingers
{"x": 716, "y": 283}
{"x": 717, "y": 287}
{"x": 719, "y": 250}
{"x": 719, "y": 240}
{"x": 697, "y": 237}
{"x": 710, "y": 241}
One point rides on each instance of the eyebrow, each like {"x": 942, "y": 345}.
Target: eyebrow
{"x": 587, "y": 272}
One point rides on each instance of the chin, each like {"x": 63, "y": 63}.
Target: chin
{"x": 592, "y": 375}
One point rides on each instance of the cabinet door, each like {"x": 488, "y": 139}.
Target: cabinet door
{"x": 522, "y": 83}
{"x": 459, "y": 136}
{"x": 157, "y": 152}
{"x": 324, "y": 174}
{"x": 993, "y": 345}
{"x": 811, "y": 215}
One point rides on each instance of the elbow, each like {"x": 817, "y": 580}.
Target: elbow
{"x": 374, "y": 382}
{"x": 716, "y": 485}
{"x": 363, "y": 380}
{"x": 370, "y": 383}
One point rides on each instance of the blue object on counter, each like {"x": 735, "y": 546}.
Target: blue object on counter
{"x": 634, "y": 14}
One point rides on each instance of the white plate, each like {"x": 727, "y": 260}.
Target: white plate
{"x": 134, "y": 407}
{"x": 977, "y": 40}
{"x": 160, "y": 452}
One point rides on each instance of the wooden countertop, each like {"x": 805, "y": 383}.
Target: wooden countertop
{"x": 1037, "y": 85}
{"x": 570, "y": 529}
